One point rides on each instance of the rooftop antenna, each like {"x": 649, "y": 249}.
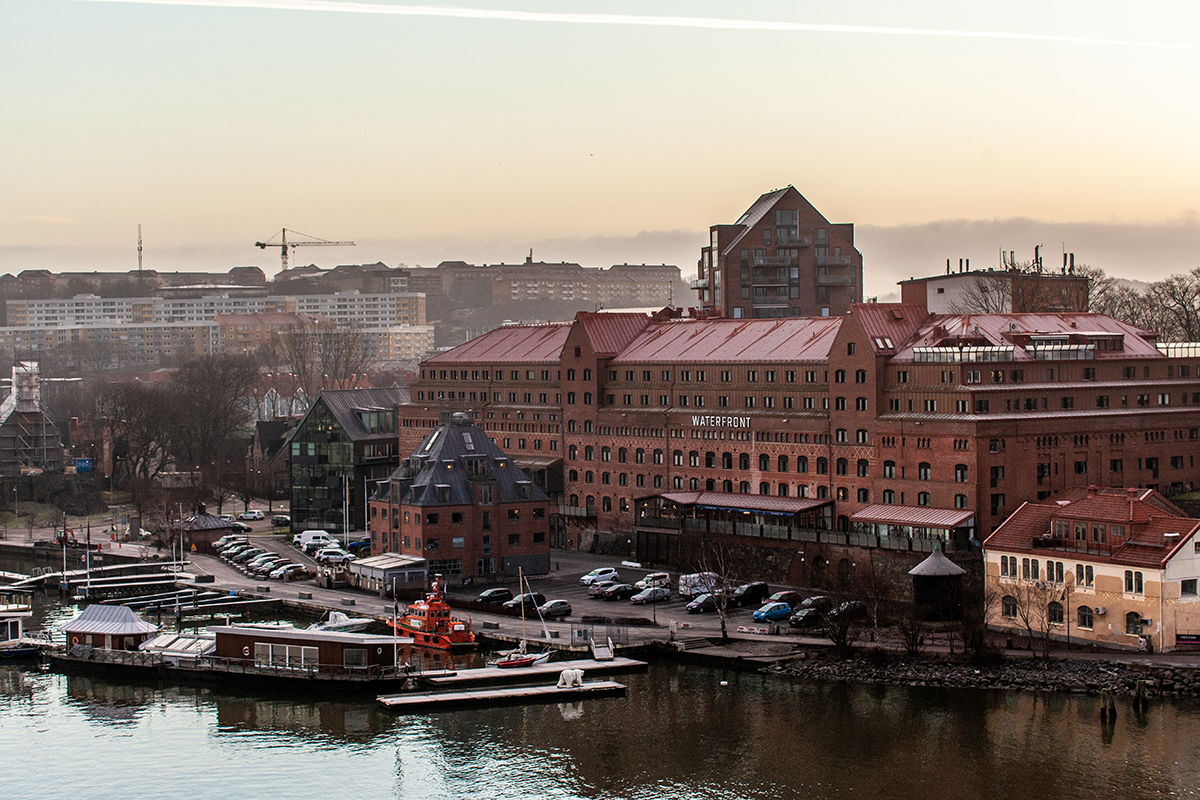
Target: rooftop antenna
{"x": 139, "y": 248}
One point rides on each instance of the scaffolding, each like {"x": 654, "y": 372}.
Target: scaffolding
{"x": 29, "y": 442}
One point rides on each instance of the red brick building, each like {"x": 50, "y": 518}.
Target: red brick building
{"x": 782, "y": 258}
{"x": 918, "y": 426}
{"x": 459, "y": 501}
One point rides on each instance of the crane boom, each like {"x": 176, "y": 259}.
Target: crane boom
{"x": 284, "y": 245}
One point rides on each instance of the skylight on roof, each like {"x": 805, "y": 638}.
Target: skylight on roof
{"x": 432, "y": 438}
{"x": 467, "y": 441}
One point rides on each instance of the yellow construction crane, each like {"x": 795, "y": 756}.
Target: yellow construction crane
{"x": 284, "y": 245}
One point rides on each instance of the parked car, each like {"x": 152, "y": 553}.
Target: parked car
{"x": 228, "y": 539}
{"x": 749, "y": 594}
{"x": 773, "y": 612}
{"x": 226, "y": 517}
{"x": 817, "y": 601}
{"x": 246, "y": 555}
{"x": 555, "y": 608}
{"x": 618, "y": 591}
{"x": 531, "y": 600}
{"x": 653, "y": 594}
{"x": 232, "y": 550}
{"x": 268, "y": 566}
{"x": 357, "y": 548}
{"x": 252, "y": 514}
{"x": 793, "y": 599}
{"x": 851, "y": 609}
{"x": 332, "y": 555}
{"x": 662, "y": 579}
{"x": 807, "y": 618}
{"x": 317, "y": 545}
{"x": 281, "y": 521}
{"x": 494, "y": 596}
{"x": 600, "y": 575}
{"x": 240, "y": 527}
{"x": 701, "y": 603}
{"x": 596, "y": 588}
{"x": 289, "y": 572}
{"x": 304, "y": 537}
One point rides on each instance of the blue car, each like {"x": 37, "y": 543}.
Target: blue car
{"x": 773, "y": 612}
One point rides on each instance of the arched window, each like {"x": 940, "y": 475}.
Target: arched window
{"x": 744, "y": 487}
{"x": 571, "y": 426}
{"x": 587, "y": 426}
{"x": 571, "y": 398}
{"x": 889, "y": 497}
{"x": 574, "y": 501}
{"x": 764, "y": 488}
{"x": 591, "y": 503}
{"x": 587, "y": 398}
{"x": 924, "y": 471}
{"x": 606, "y": 454}
{"x": 860, "y": 404}
{"x": 1008, "y": 606}
{"x": 839, "y": 376}
{"x": 822, "y": 465}
{"x": 843, "y": 494}
{"x": 960, "y": 501}
{"x": 840, "y": 435}
{"x": 764, "y": 462}
{"x": 694, "y": 484}
{"x": 802, "y": 491}
{"x": 658, "y": 481}
{"x": 589, "y": 453}
{"x": 802, "y": 464}
{"x": 1054, "y": 612}
{"x": 783, "y": 490}
{"x": 658, "y": 456}
{"x": 1133, "y": 623}
{"x": 573, "y": 452}
{"x": 861, "y": 436}
{"x": 822, "y": 492}
{"x": 589, "y": 477}
{"x": 889, "y": 469}
{"x": 726, "y": 485}
{"x": 623, "y": 455}
{"x": 960, "y": 473}
{"x": 710, "y": 459}
{"x": 639, "y": 456}
{"x": 864, "y": 495}
{"x": 606, "y": 503}
{"x": 574, "y": 474}
{"x": 677, "y": 481}
{"x": 1085, "y": 617}
{"x": 922, "y": 498}
{"x": 710, "y": 485}
{"x": 843, "y": 466}
{"x": 783, "y": 463}
{"x": 743, "y": 461}
{"x": 677, "y": 458}
{"x": 860, "y": 376}
{"x": 726, "y": 460}
{"x": 693, "y": 459}
{"x": 863, "y": 467}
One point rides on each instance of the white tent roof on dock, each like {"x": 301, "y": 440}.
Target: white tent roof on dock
{"x": 108, "y": 621}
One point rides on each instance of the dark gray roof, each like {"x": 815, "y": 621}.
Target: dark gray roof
{"x": 108, "y": 620}
{"x": 346, "y": 403}
{"x": 207, "y": 522}
{"x": 453, "y": 458}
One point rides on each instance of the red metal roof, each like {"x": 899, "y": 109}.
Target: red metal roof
{"x": 894, "y": 321}
{"x": 696, "y": 341}
{"x": 610, "y": 332}
{"x": 746, "y": 502}
{"x": 512, "y": 344}
{"x": 920, "y": 516}
{"x": 1148, "y": 516}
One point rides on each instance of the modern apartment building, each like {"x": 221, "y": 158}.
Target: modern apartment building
{"x": 782, "y": 258}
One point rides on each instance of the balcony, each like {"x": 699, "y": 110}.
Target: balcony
{"x": 773, "y": 261}
{"x": 577, "y": 511}
{"x": 832, "y": 261}
{"x": 834, "y": 280}
{"x": 701, "y": 283}
{"x": 793, "y": 241}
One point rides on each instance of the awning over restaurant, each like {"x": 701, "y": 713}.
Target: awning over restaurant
{"x": 753, "y": 503}
{"x": 919, "y": 516}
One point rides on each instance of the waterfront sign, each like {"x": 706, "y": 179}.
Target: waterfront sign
{"x": 713, "y": 421}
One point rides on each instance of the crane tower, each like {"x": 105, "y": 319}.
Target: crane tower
{"x": 309, "y": 241}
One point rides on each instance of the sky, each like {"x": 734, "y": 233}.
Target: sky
{"x": 592, "y": 132}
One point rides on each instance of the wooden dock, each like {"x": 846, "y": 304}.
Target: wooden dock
{"x": 426, "y": 701}
{"x": 495, "y": 676}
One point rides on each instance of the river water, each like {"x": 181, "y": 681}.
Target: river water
{"x": 680, "y": 733}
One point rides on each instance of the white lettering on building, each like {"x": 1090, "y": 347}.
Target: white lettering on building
{"x": 712, "y": 421}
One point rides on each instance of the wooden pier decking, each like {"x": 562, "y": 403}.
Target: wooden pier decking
{"x": 426, "y": 701}
{"x": 494, "y": 676}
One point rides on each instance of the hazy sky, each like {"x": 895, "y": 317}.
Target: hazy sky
{"x": 595, "y": 132}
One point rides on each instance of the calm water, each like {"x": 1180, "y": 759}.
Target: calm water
{"x": 679, "y": 734}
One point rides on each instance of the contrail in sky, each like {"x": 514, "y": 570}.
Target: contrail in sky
{"x": 634, "y": 20}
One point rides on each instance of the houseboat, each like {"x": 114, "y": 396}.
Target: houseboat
{"x": 430, "y": 622}
{"x": 15, "y": 645}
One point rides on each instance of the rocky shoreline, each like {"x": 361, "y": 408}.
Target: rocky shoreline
{"x": 1073, "y": 676}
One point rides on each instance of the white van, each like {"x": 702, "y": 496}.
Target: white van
{"x": 304, "y": 537}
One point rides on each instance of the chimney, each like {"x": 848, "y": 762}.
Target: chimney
{"x": 1091, "y": 490}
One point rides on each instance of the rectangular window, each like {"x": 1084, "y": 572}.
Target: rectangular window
{"x": 1187, "y": 587}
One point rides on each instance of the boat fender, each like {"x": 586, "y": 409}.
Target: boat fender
{"x": 246, "y": 651}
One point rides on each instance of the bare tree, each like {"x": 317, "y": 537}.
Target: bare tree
{"x": 322, "y": 355}
{"x": 1033, "y": 599}
{"x": 989, "y": 293}
{"x": 1179, "y": 297}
